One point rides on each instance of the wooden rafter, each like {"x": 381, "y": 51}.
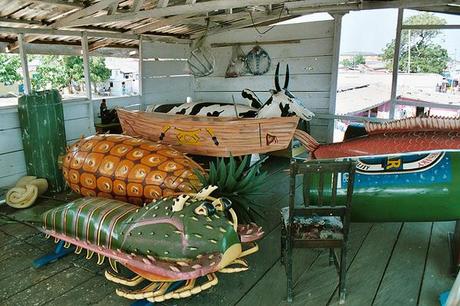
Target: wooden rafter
{"x": 112, "y": 8}
{"x": 100, "y": 44}
{"x": 258, "y": 17}
{"x": 446, "y": 9}
{"x": 98, "y": 6}
{"x": 74, "y": 33}
{"x": 305, "y": 6}
{"x": 19, "y": 21}
{"x": 136, "y": 6}
{"x": 197, "y": 8}
{"x": 63, "y": 3}
{"x": 162, "y": 3}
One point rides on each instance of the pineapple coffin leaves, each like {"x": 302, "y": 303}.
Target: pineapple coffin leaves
{"x": 238, "y": 181}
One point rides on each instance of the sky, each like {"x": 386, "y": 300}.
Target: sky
{"x": 370, "y": 31}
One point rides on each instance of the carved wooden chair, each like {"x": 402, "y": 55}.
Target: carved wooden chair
{"x": 324, "y": 219}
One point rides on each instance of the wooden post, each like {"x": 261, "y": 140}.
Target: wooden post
{"x": 85, "y": 54}
{"x": 394, "y": 80}
{"x": 141, "y": 72}
{"x": 334, "y": 72}
{"x": 25, "y": 66}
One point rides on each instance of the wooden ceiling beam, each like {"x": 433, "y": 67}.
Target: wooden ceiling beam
{"x": 305, "y": 6}
{"x": 98, "y": 6}
{"x": 162, "y": 3}
{"x": 63, "y": 3}
{"x": 184, "y": 9}
{"x": 112, "y": 8}
{"x": 446, "y": 9}
{"x": 259, "y": 17}
{"x": 99, "y": 44}
{"x": 37, "y": 32}
{"x": 158, "y": 24}
{"x": 20, "y": 21}
{"x": 136, "y": 6}
{"x": 103, "y": 4}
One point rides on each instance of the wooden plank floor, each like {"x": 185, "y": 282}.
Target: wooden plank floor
{"x": 389, "y": 264}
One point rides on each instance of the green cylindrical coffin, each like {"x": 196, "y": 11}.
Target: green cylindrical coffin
{"x": 417, "y": 187}
{"x": 43, "y": 135}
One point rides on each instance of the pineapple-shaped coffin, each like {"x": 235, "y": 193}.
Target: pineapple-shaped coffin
{"x": 128, "y": 169}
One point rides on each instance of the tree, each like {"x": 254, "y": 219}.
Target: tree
{"x": 9, "y": 66}
{"x": 419, "y": 51}
{"x": 56, "y": 71}
{"x": 98, "y": 71}
{"x": 355, "y": 61}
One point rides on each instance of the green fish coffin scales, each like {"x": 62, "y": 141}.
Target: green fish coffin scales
{"x": 171, "y": 239}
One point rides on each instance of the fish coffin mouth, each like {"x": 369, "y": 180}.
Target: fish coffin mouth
{"x": 230, "y": 255}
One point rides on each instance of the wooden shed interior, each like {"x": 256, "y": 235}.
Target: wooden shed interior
{"x": 163, "y": 34}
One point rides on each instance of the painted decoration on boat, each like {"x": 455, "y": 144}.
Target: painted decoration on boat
{"x": 188, "y": 238}
{"x": 403, "y": 170}
{"x": 209, "y": 136}
{"x": 400, "y": 164}
{"x": 128, "y": 169}
{"x": 408, "y": 170}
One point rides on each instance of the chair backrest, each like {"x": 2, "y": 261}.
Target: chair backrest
{"x": 327, "y": 187}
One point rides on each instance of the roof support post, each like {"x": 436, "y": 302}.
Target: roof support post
{"x": 141, "y": 71}
{"x": 394, "y": 79}
{"x": 334, "y": 72}
{"x": 24, "y": 64}
{"x": 86, "y": 71}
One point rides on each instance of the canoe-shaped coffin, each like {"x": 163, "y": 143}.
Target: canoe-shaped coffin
{"x": 211, "y": 136}
{"x": 414, "y": 187}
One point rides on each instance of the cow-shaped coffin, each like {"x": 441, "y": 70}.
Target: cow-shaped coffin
{"x": 282, "y": 103}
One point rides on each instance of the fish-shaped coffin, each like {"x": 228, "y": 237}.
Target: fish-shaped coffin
{"x": 128, "y": 169}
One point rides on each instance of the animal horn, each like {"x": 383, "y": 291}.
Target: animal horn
{"x": 277, "y": 81}
{"x": 286, "y": 78}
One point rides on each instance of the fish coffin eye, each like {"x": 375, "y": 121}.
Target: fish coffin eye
{"x": 227, "y": 203}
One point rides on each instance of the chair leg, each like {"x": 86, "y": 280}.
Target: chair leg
{"x": 283, "y": 245}
{"x": 342, "y": 275}
{"x": 289, "y": 270}
{"x": 331, "y": 257}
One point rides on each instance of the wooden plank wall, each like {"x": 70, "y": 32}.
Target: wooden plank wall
{"x": 166, "y": 78}
{"x": 308, "y": 51}
{"x": 12, "y": 161}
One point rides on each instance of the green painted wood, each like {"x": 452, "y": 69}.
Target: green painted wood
{"x": 409, "y": 255}
{"x": 43, "y": 135}
{"x": 306, "y": 265}
{"x": 368, "y": 267}
{"x": 436, "y": 278}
